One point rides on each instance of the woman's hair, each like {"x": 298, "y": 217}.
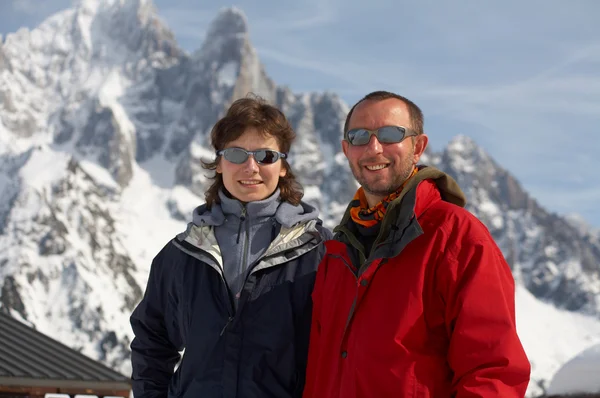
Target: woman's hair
{"x": 253, "y": 112}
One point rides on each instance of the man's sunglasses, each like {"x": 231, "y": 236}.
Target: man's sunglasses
{"x": 385, "y": 135}
{"x": 240, "y": 155}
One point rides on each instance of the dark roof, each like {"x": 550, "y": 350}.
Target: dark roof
{"x": 30, "y": 358}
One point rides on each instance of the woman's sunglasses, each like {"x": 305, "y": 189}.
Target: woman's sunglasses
{"x": 385, "y": 135}
{"x": 240, "y": 155}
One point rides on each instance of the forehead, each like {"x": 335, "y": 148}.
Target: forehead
{"x": 373, "y": 114}
{"x": 252, "y": 139}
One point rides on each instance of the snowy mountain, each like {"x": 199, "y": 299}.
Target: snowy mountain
{"x": 103, "y": 121}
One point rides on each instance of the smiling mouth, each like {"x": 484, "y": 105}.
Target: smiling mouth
{"x": 376, "y": 167}
{"x": 250, "y": 182}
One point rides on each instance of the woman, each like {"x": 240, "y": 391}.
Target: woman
{"x": 234, "y": 290}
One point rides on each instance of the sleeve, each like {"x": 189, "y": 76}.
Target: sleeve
{"x": 485, "y": 353}
{"x": 157, "y": 342}
{"x": 303, "y": 325}
{"x": 310, "y": 389}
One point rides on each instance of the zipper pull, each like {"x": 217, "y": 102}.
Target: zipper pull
{"x": 242, "y": 219}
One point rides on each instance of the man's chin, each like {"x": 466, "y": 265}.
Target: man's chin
{"x": 378, "y": 191}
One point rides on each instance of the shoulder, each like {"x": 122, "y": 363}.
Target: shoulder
{"x": 457, "y": 226}
{"x": 307, "y": 214}
{"x": 449, "y": 216}
{"x": 324, "y": 232}
{"x": 170, "y": 257}
{"x": 168, "y": 251}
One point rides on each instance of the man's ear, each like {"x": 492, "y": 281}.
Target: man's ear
{"x": 421, "y": 142}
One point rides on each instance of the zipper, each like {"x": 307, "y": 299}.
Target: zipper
{"x": 353, "y": 306}
{"x": 243, "y": 297}
{"x": 355, "y": 301}
{"x": 231, "y": 309}
{"x": 242, "y": 219}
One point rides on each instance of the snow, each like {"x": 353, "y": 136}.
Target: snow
{"x": 184, "y": 200}
{"x": 311, "y": 193}
{"x": 580, "y": 375}
{"x": 44, "y": 166}
{"x": 100, "y": 174}
{"x": 492, "y": 210}
{"x": 579, "y": 223}
{"x": 228, "y": 73}
{"x": 461, "y": 147}
{"x": 84, "y": 19}
{"x": 112, "y": 87}
{"x": 199, "y": 152}
{"x": 68, "y": 282}
{"x": 144, "y": 220}
{"x": 551, "y": 336}
{"x": 160, "y": 171}
{"x": 111, "y": 90}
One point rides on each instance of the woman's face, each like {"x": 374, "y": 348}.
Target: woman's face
{"x": 250, "y": 181}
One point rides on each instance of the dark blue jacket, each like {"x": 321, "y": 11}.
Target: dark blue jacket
{"x": 257, "y": 350}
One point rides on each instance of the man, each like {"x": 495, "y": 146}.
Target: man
{"x": 414, "y": 298}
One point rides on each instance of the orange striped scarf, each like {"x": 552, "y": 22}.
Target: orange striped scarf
{"x": 367, "y": 217}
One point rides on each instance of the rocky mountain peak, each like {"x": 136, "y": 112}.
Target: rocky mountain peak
{"x": 229, "y": 22}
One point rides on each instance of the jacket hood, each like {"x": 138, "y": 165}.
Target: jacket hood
{"x": 448, "y": 187}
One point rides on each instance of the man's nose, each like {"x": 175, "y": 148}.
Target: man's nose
{"x": 374, "y": 146}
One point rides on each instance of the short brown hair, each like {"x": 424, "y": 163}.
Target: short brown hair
{"x": 253, "y": 112}
{"x": 415, "y": 113}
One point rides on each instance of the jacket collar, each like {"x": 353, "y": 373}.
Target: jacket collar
{"x": 400, "y": 226}
{"x": 258, "y": 209}
{"x": 200, "y": 242}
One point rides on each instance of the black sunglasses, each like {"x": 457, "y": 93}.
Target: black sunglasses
{"x": 385, "y": 135}
{"x": 240, "y": 155}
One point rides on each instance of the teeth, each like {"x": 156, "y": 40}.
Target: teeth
{"x": 377, "y": 167}
{"x": 251, "y": 182}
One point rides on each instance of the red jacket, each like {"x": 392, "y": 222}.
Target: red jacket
{"x": 430, "y": 314}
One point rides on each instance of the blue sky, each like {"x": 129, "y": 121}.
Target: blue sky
{"x": 522, "y": 78}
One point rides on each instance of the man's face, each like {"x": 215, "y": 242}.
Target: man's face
{"x": 397, "y": 160}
